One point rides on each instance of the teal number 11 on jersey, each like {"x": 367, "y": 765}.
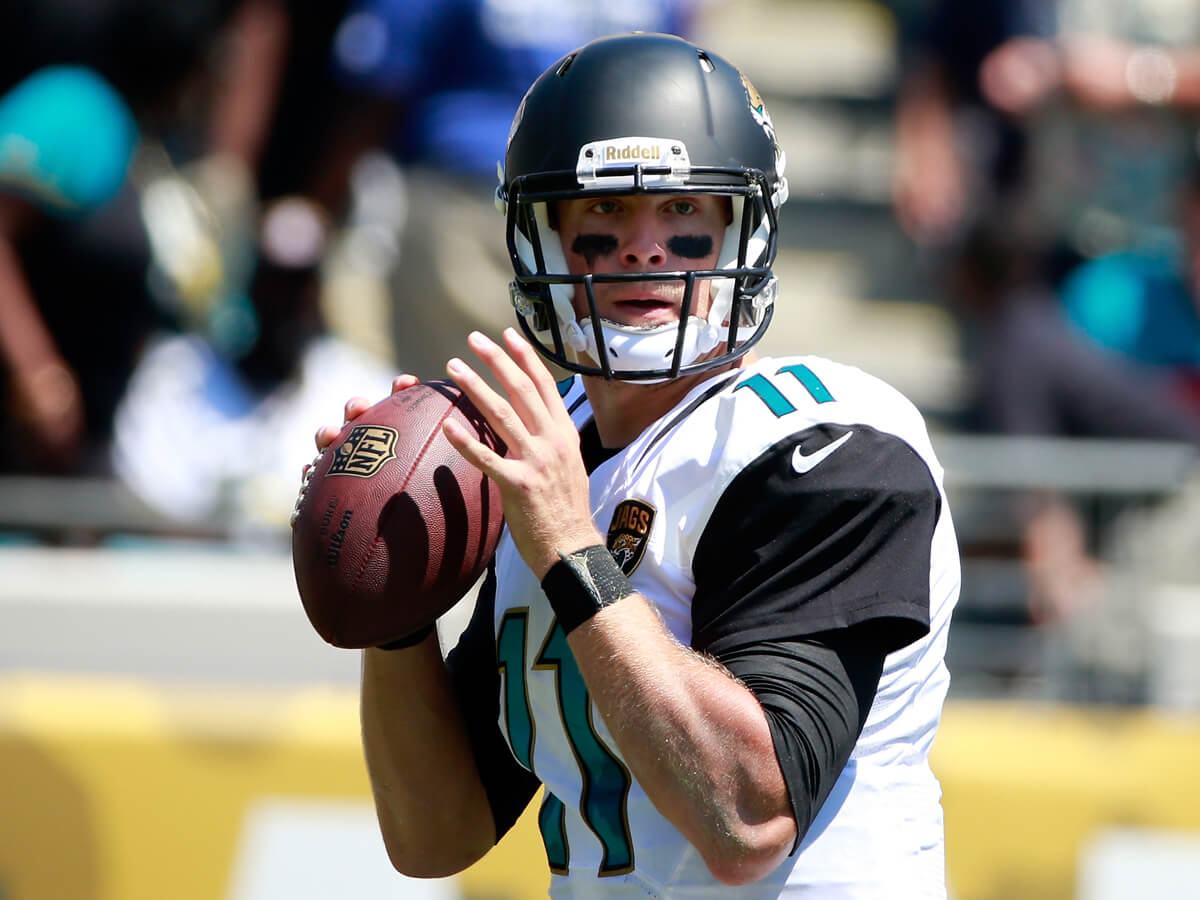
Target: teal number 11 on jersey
{"x": 606, "y": 782}
{"x": 769, "y": 394}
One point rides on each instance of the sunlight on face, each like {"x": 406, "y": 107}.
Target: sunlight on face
{"x": 643, "y": 233}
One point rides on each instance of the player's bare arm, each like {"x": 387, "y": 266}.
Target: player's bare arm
{"x": 432, "y": 808}
{"x": 696, "y": 739}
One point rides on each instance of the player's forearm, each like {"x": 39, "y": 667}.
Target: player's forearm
{"x": 433, "y": 811}
{"x": 697, "y": 740}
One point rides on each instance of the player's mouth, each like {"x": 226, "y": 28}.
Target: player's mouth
{"x": 646, "y": 304}
{"x": 644, "y": 311}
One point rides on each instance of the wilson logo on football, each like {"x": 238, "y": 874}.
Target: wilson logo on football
{"x": 628, "y": 532}
{"x": 364, "y": 451}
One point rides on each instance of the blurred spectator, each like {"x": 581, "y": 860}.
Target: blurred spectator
{"x": 212, "y": 433}
{"x": 957, "y": 154}
{"x": 1036, "y": 110}
{"x": 1036, "y": 374}
{"x": 64, "y": 375}
{"x": 1145, "y": 306}
{"x": 436, "y": 83}
{"x": 217, "y": 418}
{"x": 75, "y": 250}
{"x": 198, "y": 175}
{"x": 227, "y": 95}
{"x": 1004, "y": 169}
{"x": 1030, "y": 136}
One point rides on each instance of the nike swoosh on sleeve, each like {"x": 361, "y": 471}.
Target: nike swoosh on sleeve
{"x": 805, "y": 462}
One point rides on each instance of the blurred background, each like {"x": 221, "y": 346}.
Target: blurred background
{"x": 218, "y": 220}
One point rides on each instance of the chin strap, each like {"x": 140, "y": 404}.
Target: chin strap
{"x": 639, "y": 349}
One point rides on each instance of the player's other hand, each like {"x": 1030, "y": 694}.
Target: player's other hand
{"x": 326, "y": 434}
{"x": 354, "y": 408}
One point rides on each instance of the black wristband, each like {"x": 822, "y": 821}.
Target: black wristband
{"x": 409, "y": 640}
{"x": 582, "y": 583}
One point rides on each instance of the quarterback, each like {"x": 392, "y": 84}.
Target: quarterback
{"x": 715, "y": 626}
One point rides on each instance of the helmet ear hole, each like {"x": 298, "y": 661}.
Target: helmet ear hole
{"x": 532, "y": 302}
{"x": 541, "y": 315}
{"x": 706, "y": 62}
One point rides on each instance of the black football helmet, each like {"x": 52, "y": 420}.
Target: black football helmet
{"x": 642, "y": 113}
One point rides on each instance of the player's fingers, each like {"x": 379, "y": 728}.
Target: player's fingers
{"x": 523, "y": 394}
{"x": 403, "y": 382}
{"x": 474, "y": 451}
{"x": 529, "y": 360}
{"x": 325, "y": 436}
{"x": 355, "y": 407}
{"x": 495, "y": 408}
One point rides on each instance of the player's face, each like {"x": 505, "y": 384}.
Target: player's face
{"x": 642, "y": 233}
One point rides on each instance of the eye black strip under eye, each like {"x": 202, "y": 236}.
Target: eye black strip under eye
{"x": 691, "y": 246}
{"x": 592, "y": 246}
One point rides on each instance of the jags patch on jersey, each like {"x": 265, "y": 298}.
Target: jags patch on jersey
{"x": 365, "y": 450}
{"x": 628, "y": 533}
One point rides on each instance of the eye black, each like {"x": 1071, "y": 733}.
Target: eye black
{"x": 691, "y": 246}
{"x": 593, "y": 246}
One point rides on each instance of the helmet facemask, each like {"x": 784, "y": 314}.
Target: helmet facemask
{"x": 742, "y": 287}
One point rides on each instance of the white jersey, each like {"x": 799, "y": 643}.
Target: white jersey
{"x": 832, "y": 460}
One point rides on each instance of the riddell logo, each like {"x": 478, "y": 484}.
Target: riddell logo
{"x": 632, "y": 151}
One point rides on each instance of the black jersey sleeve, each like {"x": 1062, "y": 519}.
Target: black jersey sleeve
{"x": 816, "y": 694}
{"x": 476, "y": 679}
{"x": 830, "y": 528}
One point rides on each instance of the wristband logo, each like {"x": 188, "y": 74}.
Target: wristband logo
{"x": 628, "y": 533}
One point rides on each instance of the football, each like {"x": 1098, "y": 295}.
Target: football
{"x": 392, "y": 526}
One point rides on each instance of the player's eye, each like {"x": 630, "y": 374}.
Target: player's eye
{"x": 605, "y": 207}
{"x": 682, "y": 207}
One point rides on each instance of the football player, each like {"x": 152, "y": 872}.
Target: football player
{"x": 714, "y": 628}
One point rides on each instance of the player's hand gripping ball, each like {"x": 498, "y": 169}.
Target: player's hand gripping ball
{"x": 392, "y": 526}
